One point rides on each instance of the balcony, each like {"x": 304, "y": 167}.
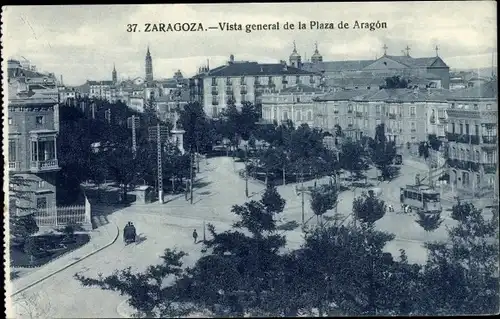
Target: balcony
{"x": 47, "y": 165}
{"x": 451, "y": 137}
{"x": 243, "y": 89}
{"x": 229, "y": 89}
{"x": 463, "y": 165}
{"x": 474, "y": 139}
{"x": 215, "y": 91}
{"x": 489, "y": 139}
{"x": 489, "y": 168}
{"x": 392, "y": 116}
{"x": 359, "y": 114}
{"x": 14, "y": 166}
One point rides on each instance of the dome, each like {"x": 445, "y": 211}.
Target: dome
{"x": 294, "y": 52}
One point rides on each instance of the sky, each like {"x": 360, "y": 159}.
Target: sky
{"x": 84, "y": 42}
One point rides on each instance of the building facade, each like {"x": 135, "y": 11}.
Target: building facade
{"x": 33, "y": 126}
{"x": 405, "y": 113}
{"x": 293, "y": 103}
{"x": 472, "y": 134}
{"x": 243, "y": 81}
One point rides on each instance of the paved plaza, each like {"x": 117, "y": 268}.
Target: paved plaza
{"x": 170, "y": 225}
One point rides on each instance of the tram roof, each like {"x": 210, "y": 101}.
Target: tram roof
{"x": 421, "y": 188}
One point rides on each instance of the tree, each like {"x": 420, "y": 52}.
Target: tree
{"x": 368, "y": 208}
{"x": 434, "y": 142}
{"x": 464, "y": 271}
{"x": 351, "y": 157}
{"x": 383, "y": 153}
{"x": 33, "y": 306}
{"x": 395, "y": 82}
{"x": 145, "y": 291}
{"x": 199, "y": 133}
{"x": 272, "y": 200}
{"x": 21, "y": 218}
{"x": 429, "y": 222}
{"x": 323, "y": 199}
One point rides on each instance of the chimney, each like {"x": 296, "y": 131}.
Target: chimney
{"x": 231, "y": 59}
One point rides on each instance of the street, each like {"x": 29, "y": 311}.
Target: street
{"x": 170, "y": 226}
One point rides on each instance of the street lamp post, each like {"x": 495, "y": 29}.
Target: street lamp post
{"x": 246, "y": 171}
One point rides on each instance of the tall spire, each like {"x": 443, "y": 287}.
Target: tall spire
{"x": 316, "y": 47}
{"x": 113, "y": 74}
{"x": 294, "y": 47}
{"x": 149, "y": 66}
{"x": 148, "y": 53}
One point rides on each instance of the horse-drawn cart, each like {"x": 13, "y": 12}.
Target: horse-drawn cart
{"x": 129, "y": 233}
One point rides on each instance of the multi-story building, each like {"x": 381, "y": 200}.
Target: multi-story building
{"x": 472, "y": 140}
{"x": 241, "y": 81}
{"x": 33, "y": 125}
{"x": 434, "y": 69}
{"x": 406, "y": 113}
{"x": 293, "y": 103}
{"x": 167, "y": 105}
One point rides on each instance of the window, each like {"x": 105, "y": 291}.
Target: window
{"x": 270, "y": 80}
{"x": 377, "y": 109}
{"x": 349, "y": 108}
{"x": 465, "y": 179}
{"x": 478, "y": 158}
{"x": 285, "y": 115}
{"x": 298, "y": 99}
{"x": 350, "y": 121}
{"x": 461, "y": 128}
{"x": 309, "y": 115}
{"x": 11, "y": 121}
{"x": 243, "y": 98}
{"x": 366, "y": 123}
{"x": 453, "y": 128}
{"x": 297, "y": 79}
{"x": 12, "y": 151}
{"x": 214, "y": 81}
{"x": 462, "y": 154}
{"x": 242, "y": 80}
{"x": 468, "y": 155}
{"x": 412, "y": 111}
{"x": 39, "y": 120}
{"x": 467, "y": 129}
{"x": 489, "y": 158}
{"x": 336, "y": 120}
{"x": 477, "y": 130}
{"x": 488, "y": 106}
{"x": 41, "y": 202}
{"x": 298, "y": 116}
{"x": 478, "y": 180}
{"x": 378, "y": 122}
{"x": 228, "y": 81}
{"x": 454, "y": 152}
{"x": 476, "y": 107}
{"x": 413, "y": 126}
{"x": 257, "y": 80}
{"x": 452, "y": 105}
{"x": 41, "y": 184}
{"x": 311, "y": 79}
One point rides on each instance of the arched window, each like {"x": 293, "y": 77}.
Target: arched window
{"x": 478, "y": 158}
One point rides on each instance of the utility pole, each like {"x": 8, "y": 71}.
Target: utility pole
{"x": 134, "y": 137}
{"x": 191, "y": 176}
{"x": 302, "y": 195}
{"x": 246, "y": 171}
{"x": 160, "y": 175}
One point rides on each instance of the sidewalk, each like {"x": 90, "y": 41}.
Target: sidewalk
{"x": 99, "y": 239}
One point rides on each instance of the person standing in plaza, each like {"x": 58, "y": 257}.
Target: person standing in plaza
{"x": 195, "y": 236}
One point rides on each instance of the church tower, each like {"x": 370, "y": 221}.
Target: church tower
{"x": 295, "y": 58}
{"x": 114, "y": 76}
{"x": 149, "y": 67}
{"x": 316, "y": 57}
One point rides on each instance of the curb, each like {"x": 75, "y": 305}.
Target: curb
{"x": 69, "y": 265}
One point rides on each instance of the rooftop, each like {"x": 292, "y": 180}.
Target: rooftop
{"x": 255, "y": 69}
{"x": 388, "y": 95}
{"x": 486, "y": 90}
{"x": 301, "y": 88}
{"x": 345, "y": 95}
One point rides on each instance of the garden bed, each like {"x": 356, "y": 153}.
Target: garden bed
{"x": 50, "y": 247}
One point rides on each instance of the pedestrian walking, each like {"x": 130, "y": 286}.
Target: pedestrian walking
{"x": 195, "y": 236}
